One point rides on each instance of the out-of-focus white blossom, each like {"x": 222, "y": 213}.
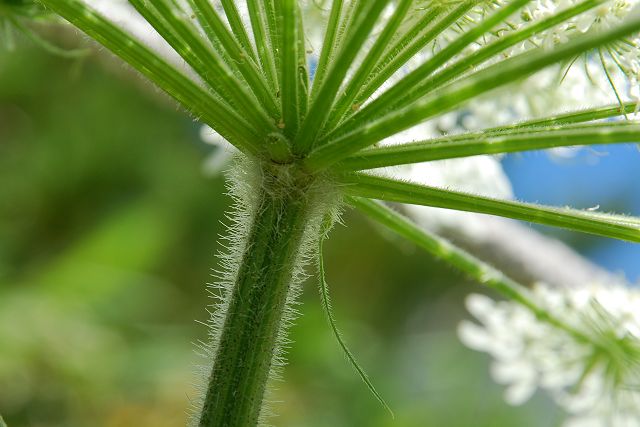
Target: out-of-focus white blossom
{"x": 481, "y": 175}
{"x": 217, "y": 161}
{"x": 588, "y": 361}
{"x": 121, "y": 13}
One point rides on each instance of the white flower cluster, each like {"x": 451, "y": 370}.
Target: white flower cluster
{"x": 538, "y": 94}
{"x": 608, "y": 14}
{"x": 588, "y": 360}
{"x": 602, "y": 77}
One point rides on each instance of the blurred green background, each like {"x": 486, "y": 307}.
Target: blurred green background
{"x": 108, "y": 234}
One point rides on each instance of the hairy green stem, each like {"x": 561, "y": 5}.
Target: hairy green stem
{"x": 248, "y": 345}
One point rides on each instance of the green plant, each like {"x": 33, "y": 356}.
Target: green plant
{"x": 305, "y": 139}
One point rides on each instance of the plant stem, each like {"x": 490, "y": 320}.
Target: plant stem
{"x": 390, "y": 190}
{"x": 463, "y": 261}
{"x": 257, "y": 304}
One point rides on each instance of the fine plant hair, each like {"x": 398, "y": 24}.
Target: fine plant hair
{"x": 244, "y": 177}
{"x": 308, "y": 138}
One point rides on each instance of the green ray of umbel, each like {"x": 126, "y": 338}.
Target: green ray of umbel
{"x": 474, "y": 144}
{"x": 363, "y": 185}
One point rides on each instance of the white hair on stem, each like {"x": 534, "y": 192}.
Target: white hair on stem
{"x": 245, "y": 178}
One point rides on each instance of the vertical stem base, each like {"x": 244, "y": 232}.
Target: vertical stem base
{"x": 257, "y": 305}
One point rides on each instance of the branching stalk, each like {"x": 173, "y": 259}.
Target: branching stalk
{"x": 407, "y": 85}
{"x": 364, "y": 20}
{"x": 241, "y": 58}
{"x": 469, "y": 62}
{"x": 305, "y": 146}
{"x": 259, "y": 24}
{"x": 364, "y": 70}
{"x": 289, "y": 92}
{"x": 415, "y": 39}
{"x": 237, "y": 26}
{"x": 328, "y": 46}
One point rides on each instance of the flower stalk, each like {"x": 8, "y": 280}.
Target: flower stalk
{"x": 286, "y": 207}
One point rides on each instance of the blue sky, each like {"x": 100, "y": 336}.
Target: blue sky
{"x": 604, "y": 176}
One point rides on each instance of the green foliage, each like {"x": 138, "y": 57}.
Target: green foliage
{"x": 105, "y": 211}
